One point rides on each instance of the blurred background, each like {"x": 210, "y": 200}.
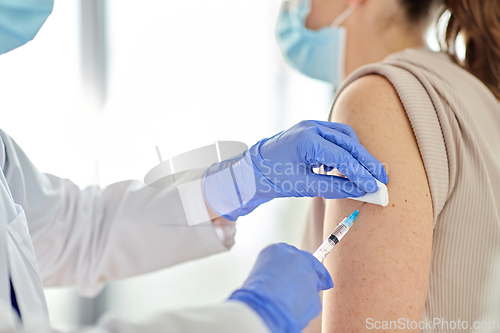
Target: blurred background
{"x": 105, "y": 81}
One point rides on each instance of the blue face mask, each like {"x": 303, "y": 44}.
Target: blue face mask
{"x": 319, "y": 54}
{"x": 20, "y": 21}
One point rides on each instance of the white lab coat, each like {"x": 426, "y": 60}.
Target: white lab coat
{"x": 52, "y": 234}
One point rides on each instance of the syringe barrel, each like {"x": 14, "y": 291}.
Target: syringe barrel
{"x": 340, "y": 231}
{"x": 324, "y": 249}
{"x": 337, "y": 234}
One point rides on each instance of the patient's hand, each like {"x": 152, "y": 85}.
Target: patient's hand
{"x": 381, "y": 268}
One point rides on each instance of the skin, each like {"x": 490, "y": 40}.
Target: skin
{"x": 381, "y": 268}
{"x": 375, "y": 29}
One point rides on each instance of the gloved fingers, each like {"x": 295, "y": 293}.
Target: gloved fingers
{"x": 356, "y": 150}
{"x": 343, "y": 128}
{"x": 327, "y": 168}
{"x": 325, "y": 279}
{"x": 332, "y": 155}
{"x": 281, "y": 250}
{"x": 331, "y": 187}
{"x": 288, "y": 252}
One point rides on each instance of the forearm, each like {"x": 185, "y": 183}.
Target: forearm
{"x": 85, "y": 237}
{"x": 126, "y": 229}
{"x": 227, "y": 317}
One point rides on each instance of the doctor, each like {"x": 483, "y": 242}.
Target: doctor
{"x": 53, "y": 233}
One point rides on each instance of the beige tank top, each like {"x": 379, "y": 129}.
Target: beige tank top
{"x": 456, "y": 122}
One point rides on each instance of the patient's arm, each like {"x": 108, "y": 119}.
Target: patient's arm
{"x": 381, "y": 267}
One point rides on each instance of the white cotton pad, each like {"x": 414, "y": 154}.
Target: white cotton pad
{"x": 381, "y": 197}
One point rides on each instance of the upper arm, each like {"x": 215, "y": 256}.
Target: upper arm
{"x": 381, "y": 268}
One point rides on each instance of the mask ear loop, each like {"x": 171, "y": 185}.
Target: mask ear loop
{"x": 342, "y": 36}
{"x": 345, "y": 14}
{"x": 294, "y": 4}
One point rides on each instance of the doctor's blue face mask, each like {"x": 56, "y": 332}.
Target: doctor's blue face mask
{"x": 319, "y": 54}
{"x": 20, "y": 21}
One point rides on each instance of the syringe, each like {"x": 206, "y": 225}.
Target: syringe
{"x": 337, "y": 234}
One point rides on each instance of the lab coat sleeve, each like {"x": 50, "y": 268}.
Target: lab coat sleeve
{"x": 228, "y": 317}
{"x": 86, "y": 237}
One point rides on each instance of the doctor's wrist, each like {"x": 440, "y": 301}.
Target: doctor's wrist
{"x": 213, "y": 215}
{"x": 231, "y": 187}
{"x": 271, "y": 315}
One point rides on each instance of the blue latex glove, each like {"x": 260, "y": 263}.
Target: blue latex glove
{"x": 281, "y": 166}
{"x": 283, "y": 288}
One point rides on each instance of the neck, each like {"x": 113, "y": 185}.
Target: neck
{"x": 365, "y": 47}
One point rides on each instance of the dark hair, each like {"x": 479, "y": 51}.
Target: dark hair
{"x": 479, "y": 23}
{"x": 417, "y": 10}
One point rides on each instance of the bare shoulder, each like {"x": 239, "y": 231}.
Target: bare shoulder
{"x": 381, "y": 268}
{"x": 370, "y": 101}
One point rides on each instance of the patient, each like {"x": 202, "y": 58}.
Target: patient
{"x": 432, "y": 254}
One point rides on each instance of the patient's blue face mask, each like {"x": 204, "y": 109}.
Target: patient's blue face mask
{"x": 20, "y": 21}
{"x": 319, "y": 54}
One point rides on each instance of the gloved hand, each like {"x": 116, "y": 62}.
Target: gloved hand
{"x": 281, "y": 166}
{"x": 283, "y": 288}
